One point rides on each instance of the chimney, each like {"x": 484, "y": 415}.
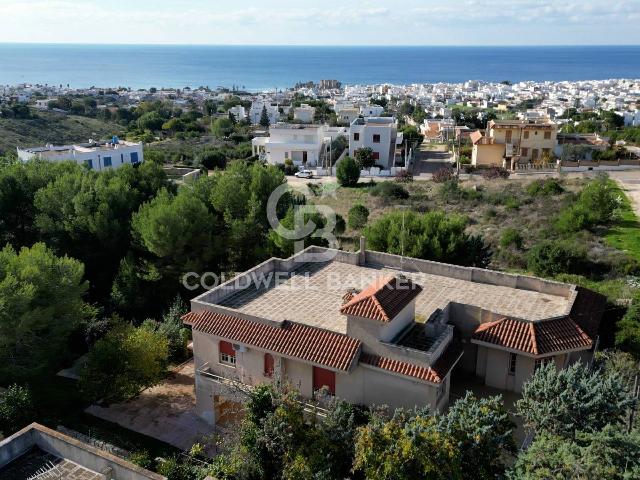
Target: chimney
{"x": 362, "y": 258}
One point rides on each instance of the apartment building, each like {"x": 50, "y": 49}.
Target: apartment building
{"x": 378, "y": 133}
{"x": 303, "y": 144}
{"x": 378, "y": 329}
{"x": 257, "y": 106}
{"x": 239, "y": 113}
{"x": 525, "y": 141}
{"x": 346, "y": 114}
{"x": 95, "y": 155}
{"x": 371, "y": 110}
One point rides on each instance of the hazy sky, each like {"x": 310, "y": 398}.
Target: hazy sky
{"x": 326, "y": 22}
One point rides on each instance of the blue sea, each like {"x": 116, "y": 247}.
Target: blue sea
{"x": 269, "y": 67}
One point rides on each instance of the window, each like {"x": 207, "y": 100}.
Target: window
{"x": 525, "y": 151}
{"x": 286, "y": 155}
{"x": 89, "y": 164}
{"x": 356, "y": 137}
{"x": 268, "y": 365}
{"x": 106, "y": 161}
{"x": 134, "y": 157}
{"x": 227, "y": 354}
{"x": 376, "y": 138}
{"x": 376, "y": 155}
{"x": 324, "y": 378}
{"x": 513, "y": 358}
{"x": 547, "y": 135}
{"x": 542, "y": 361}
{"x": 507, "y": 138}
{"x": 526, "y": 134}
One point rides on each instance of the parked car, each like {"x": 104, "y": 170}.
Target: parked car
{"x": 304, "y": 174}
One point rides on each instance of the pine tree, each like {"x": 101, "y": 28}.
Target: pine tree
{"x": 264, "y": 117}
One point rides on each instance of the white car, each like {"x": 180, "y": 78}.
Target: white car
{"x": 304, "y": 174}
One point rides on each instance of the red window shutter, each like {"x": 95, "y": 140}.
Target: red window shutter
{"x": 268, "y": 365}
{"x": 324, "y": 378}
{"x": 376, "y": 155}
{"x": 226, "y": 347}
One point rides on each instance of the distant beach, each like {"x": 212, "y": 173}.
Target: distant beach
{"x": 265, "y": 67}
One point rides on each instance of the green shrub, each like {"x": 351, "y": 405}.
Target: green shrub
{"x": 553, "y": 257}
{"x": 348, "y": 172}
{"x": 511, "y": 237}
{"x": 16, "y": 409}
{"x": 390, "y": 190}
{"x": 628, "y": 329}
{"x": 142, "y": 459}
{"x": 341, "y": 225}
{"x": 545, "y": 187}
{"x": 358, "y": 216}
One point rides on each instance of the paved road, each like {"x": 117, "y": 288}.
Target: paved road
{"x": 430, "y": 159}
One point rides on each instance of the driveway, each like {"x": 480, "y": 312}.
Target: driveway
{"x": 165, "y": 412}
{"x": 629, "y": 181}
{"x": 429, "y": 159}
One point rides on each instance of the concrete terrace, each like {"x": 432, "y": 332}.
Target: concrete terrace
{"x": 312, "y": 293}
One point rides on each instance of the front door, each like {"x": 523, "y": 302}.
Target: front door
{"x": 304, "y": 157}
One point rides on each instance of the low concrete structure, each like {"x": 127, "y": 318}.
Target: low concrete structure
{"x": 37, "y": 449}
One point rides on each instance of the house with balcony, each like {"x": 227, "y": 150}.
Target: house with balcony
{"x": 304, "y": 113}
{"x": 379, "y": 329}
{"x": 524, "y": 141}
{"x": 378, "y": 133}
{"x": 303, "y": 144}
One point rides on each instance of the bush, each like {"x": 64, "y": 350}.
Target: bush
{"x": 358, "y": 216}
{"x": 431, "y": 236}
{"x": 495, "y": 173}
{"x": 389, "y": 190}
{"x": 122, "y": 363}
{"x": 404, "y": 176}
{"x": 628, "y": 329}
{"x": 16, "y": 409}
{"x": 511, "y": 237}
{"x": 596, "y": 205}
{"x": 364, "y": 158}
{"x": 545, "y": 187}
{"x": 348, "y": 172}
{"x": 553, "y": 257}
{"x": 443, "y": 175}
{"x": 289, "y": 167}
{"x": 341, "y": 225}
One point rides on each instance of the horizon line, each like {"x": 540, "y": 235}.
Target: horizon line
{"x": 160, "y": 44}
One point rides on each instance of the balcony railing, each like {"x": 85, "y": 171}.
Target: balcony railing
{"x": 245, "y": 389}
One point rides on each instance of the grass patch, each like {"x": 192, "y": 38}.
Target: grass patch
{"x": 625, "y": 234}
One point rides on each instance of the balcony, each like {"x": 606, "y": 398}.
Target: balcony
{"x": 240, "y": 391}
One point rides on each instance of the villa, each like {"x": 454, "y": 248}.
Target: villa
{"x": 380, "y": 329}
{"x": 95, "y": 155}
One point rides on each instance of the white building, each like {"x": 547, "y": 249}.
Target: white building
{"x": 256, "y": 111}
{"x": 304, "y": 113}
{"x": 95, "y": 155}
{"x": 371, "y": 111}
{"x": 347, "y": 114}
{"x": 378, "y": 133}
{"x": 303, "y": 144}
{"x": 239, "y": 113}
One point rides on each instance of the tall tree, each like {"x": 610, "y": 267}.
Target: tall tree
{"x": 264, "y": 117}
{"x": 41, "y": 303}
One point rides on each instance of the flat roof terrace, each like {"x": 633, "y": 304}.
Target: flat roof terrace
{"x": 312, "y": 293}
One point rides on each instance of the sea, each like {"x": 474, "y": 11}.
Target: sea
{"x": 260, "y": 68}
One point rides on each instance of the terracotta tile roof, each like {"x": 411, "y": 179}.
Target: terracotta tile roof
{"x": 383, "y": 299}
{"x": 435, "y": 374}
{"x": 314, "y": 345}
{"x": 534, "y": 338}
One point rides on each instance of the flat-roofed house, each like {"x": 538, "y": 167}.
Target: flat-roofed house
{"x": 302, "y": 144}
{"x": 379, "y": 329}
{"x": 380, "y": 134}
{"x": 525, "y": 141}
{"x": 95, "y": 155}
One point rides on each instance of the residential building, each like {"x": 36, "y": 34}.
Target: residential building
{"x": 257, "y": 106}
{"x": 95, "y": 155}
{"x": 379, "y": 329}
{"x": 378, "y": 133}
{"x": 303, "y": 144}
{"x": 346, "y": 114}
{"x": 330, "y": 84}
{"x": 304, "y": 113}
{"x": 239, "y": 113}
{"x": 371, "y": 110}
{"x": 39, "y": 452}
{"x": 524, "y": 141}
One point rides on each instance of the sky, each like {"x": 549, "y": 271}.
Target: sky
{"x": 326, "y": 22}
